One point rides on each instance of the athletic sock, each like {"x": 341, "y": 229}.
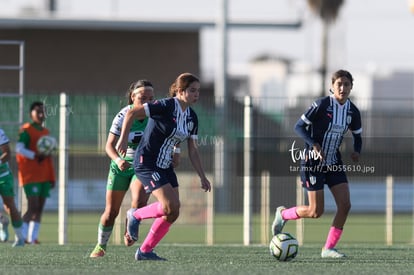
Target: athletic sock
{"x": 290, "y": 214}
{"x": 104, "y": 233}
{"x": 153, "y": 210}
{"x": 25, "y": 228}
{"x": 333, "y": 237}
{"x": 158, "y": 230}
{"x": 30, "y": 229}
{"x": 17, "y": 226}
{"x": 35, "y": 232}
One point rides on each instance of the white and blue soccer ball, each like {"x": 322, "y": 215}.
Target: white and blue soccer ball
{"x": 46, "y": 145}
{"x": 284, "y": 247}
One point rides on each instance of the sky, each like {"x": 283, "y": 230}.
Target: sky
{"x": 368, "y": 35}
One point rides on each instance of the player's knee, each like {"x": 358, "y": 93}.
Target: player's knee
{"x": 111, "y": 213}
{"x": 138, "y": 204}
{"x": 174, "y": 216}
{"x": 317, "y": 213}
{"x": 172, "y": 210}
{"x": 344, "y": 207}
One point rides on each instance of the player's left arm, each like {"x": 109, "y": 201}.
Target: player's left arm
{"x": 176, "y": 156}
{"x": 52, "y": 174}
{"x": 196, "y": 162}
{"x": 356, "y": 128}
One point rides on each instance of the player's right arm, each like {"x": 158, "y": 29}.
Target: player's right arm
{"x": 23, "y": 144}
{"x": 113, "y": 136}
{"x": 305, "y": 121}
{"x": 22, "y": 147}
{"x": 110, "y": 149}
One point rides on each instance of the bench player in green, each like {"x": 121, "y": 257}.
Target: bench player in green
{"x": 121, "y": 172}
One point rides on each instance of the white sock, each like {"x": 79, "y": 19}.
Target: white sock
{"x": 35, "y": 233}
{"x": 103, "y": 236}
{"x": 30, "y": 237}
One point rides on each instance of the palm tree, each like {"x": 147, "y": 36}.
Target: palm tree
{"x": 327, "y": 10}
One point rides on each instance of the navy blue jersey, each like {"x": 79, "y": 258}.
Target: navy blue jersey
{"x": 168, "y": 126}
{"x": 327, "y": 122}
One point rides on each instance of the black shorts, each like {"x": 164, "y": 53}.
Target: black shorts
{"x": 315, "y": 177}
{"x": 154, "y": 177}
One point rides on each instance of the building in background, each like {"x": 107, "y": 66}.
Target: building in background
{"x": 97, "y": 56}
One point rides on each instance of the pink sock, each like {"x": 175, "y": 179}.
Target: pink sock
{"x": 290, "y": 214}
{"x": 158, "y": 230}
{"x": 154, "y": 210}
{"x": 333, "y": 237}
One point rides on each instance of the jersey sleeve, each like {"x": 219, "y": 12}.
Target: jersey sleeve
{"x": 116, "y": 125}
{"x": 159, "y": 107}
{"x": 3, "y": 138}
{"x": 309, "y": 116}
{"x": 194, "y": 131}
{"x": 300, "y": 129}
{"x": 24, "y": 138}
{"x": 356, "y": 124}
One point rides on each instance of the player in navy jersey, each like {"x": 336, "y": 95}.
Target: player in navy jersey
{"x": 171, "y": 122}
{"x": 323, "y": 127}
{"x": 121, "y": 176}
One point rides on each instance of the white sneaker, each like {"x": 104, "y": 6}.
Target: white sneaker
{"x": 18, "y": 243}
{"x": 4, "y": 231}
{"x": 278, "y": 222}
{"x": 331, "y": 253}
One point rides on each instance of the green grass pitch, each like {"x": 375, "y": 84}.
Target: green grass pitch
{"x": 201, "y": 259}
{"x": 363, "y": 242}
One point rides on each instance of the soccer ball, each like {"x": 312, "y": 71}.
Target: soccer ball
{"x": 284, "y": 247}
{"x": 46, "y": 145}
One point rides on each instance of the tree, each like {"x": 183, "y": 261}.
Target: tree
{"x": 327, "y": 10}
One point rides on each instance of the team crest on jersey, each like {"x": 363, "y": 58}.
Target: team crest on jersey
{"x": 312, "y": 180}
{"x": 348, "y": 119}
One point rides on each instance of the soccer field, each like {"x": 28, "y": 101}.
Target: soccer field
{"x": 228, "y": 229}
{"x": 363, "y": 243}
{"x": 200, "y": 259}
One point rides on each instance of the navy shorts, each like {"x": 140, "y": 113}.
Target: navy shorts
{"x": 314, "y": 178}
{"x": 153, "y": 178}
